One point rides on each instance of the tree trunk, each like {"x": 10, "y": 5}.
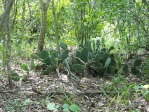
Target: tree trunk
{"x": 44, "y": 8}
{"x": 56, "y": 27}
{"x": 5, "y": 25}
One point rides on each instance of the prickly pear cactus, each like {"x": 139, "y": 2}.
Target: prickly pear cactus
{"x": 137, "y": 62}
{"x": 95, "y": 59}
{"x": 135, "y": 71}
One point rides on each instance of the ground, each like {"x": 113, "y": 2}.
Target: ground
{"x": 89, "y": 94}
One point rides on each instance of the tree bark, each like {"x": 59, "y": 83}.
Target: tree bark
{"x": 56, "y": 27}
{"x": 44, "y": 8}
{"x": 5, "y": 26}
{"x": 5, "y": 13}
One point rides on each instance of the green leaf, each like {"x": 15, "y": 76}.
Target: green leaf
{"x": 54, "y": 61}
{"x": 25, "y": 67}
{"x": 27, "y": 102}
{"x": 84, "y": 54}
{"x": 111, "y": 48}
{"x": 43, "y": 54}
{"x": 111, "y": 70}
{"x": 14, "y": 76}
{"x": 48, "y": 70}
{"x": 137, "y": 62}
{"x": 64, "y": 54}
{"x": 66, "y": 110}
{"x": 94, "y": 45}
{"x": 107, "y": 63}
{"x": 147, "y": 97}
{"x": 78, "y": 68}
{"x": 65, "y": 106}
{"x": 135, "y": 71}
{"x": 34, "y": 55}
{"x": 104, "y": 50}
{"x": 98, "y": 44}
{"x": 137, "y": 87}
{"x": 53, "y": 107}
{"x": 74, "y": 108}
{"x": 125, "y": 68}
{"x": 63, "y": 45}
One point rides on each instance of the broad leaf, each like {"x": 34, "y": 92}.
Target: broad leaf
{"x": 137, "y": 62}
{"x": 63, "y": 46}
{"x": 74, "y": 108}
{"x": 14, "y": 76}
{"x": 107, "y": 63}
{"x": 43, "y": 54}
{"x": 78, "y": 68}
{"x": 25, "y": 67}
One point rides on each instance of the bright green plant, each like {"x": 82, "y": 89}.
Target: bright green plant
{"x": 70, "y": 108}
{"x": 26, "y": 68}
{"x": 144, "y": 89}
{"x": 53, "y": 107}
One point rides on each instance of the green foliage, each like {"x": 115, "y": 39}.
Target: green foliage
{"x": 43, "y": 54}
{"x": 145, "y": 69}
{"x": 94, "y": 59}
{"x": 137, "y": 62}
{"x": 78, "y": 68}
{"x": 144, "y": 90}
{"x": 135, "y": 68}
{"x": 53, "y": 107}
{"x": 72, "y": 108}
{"x": 52, "y": 59}
{"x": 63, "y": 46}
{"x": 125, "y": 68}
{"x": 25, "y": 67}
{"x": 14, "y": 76}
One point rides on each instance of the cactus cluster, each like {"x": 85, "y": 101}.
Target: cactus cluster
{"x": 90, "y": 58}
{"x": 95, "y": 60}
{"x": 51, "y": 60}
{"x": 135, "y": 68}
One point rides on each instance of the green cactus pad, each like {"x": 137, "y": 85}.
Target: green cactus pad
{"x": 107, "y": 63}
{"x": 14, "y": 76}
{"x": 48, "y": 70}
{"x": 64, "y": 54}
{"x": 111, "y": 70}
{"x": 54, "y": 61}
{"x": 84, "y": 54}
{"x": 137, "y": 62}
{"x": 135, "y": 71}
{"x": 78, "y": 68}
{"x": 63, "y": 46}
{"x": 25, "y": 67}
{"x": 125, "y": 68}
{"x": 111, "y": 48}
{"x": 43, "y": 54}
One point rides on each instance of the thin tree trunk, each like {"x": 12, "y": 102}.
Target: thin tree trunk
{"x": 7, "y": 39}
{"x": 56, "y": 26}
{"x": 6, "y": 12}
{"x": 44, "y": 8}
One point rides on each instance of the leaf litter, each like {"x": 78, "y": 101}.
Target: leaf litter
{"x": 90, "y": 94}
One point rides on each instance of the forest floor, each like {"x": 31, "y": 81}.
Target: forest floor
{"x": 113, "y": 94}
{"x": 90, "y": 94}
